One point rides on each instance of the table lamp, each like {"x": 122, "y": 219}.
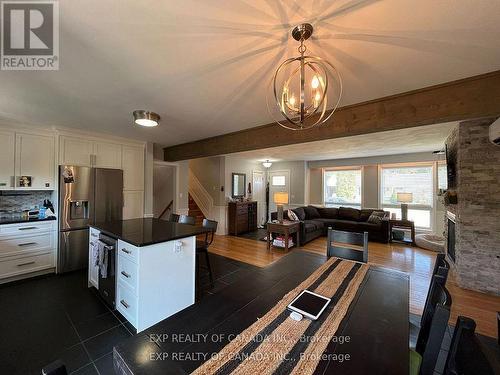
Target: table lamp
{"x": 280, "y": 198}
{"x": 404, "y": 198}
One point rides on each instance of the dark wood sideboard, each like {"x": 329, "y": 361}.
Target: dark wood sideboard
{"x": 242, "y": 217}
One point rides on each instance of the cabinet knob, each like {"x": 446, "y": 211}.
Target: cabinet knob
{"x": 125, "y": 274}
{"x": 125, "y": 304}
{"x": 126, "y": 251}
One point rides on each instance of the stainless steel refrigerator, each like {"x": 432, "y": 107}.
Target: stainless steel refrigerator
{"x": 86, "y": 196}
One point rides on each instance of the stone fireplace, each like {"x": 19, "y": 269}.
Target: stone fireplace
{"x": 475, "y": 218}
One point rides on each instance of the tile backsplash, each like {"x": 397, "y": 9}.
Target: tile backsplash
{"x": 11, "y": 201}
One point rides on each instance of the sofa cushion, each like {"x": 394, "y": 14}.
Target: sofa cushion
{"x": 312, "y": 225}
{"x": 368, "y": 227}
{"x": 365, "y": 214}
{"x": 347, "y": 213}
{"x": 348, "y": 225}
{"x": 311, "y": 213}
{"x": 300, "y": 213}
{"x": 328, "y": 212}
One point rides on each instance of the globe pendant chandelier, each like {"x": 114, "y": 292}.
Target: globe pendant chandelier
{"x": 305, "y": 86}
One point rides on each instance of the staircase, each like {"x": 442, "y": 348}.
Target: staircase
{"x": 195, "y": 211}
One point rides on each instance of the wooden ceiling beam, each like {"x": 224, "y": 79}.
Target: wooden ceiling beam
{"x": 468, "y": 98}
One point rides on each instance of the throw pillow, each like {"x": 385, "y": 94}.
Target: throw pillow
{"x": 300, "y": 213}
{"x": 376, "y": 217}
{"x": 292, "y": 215}
{"x": 311, "y": 213}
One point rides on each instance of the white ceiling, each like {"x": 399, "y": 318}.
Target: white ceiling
{"x": 204, "y": 65}
{"x": 412, "y": 140}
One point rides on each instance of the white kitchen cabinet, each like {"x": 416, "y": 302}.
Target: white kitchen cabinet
{"x": 107, "y": 155}
{"x": 155, "y": 281}
{"x": 26, "y": 248}
{"x": 75, "y": 151}
{"x": 7, "y": 142}
{"x": 133, "y": 204}
{"x": 133, "y": 167}
{"x": 35, "y": 158}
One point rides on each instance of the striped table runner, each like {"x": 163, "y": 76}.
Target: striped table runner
{"x": 276, "y": 344}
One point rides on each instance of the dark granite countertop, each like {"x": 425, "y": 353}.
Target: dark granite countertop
{"x": 19, "y": 220}
{"x": 144, "y": 232}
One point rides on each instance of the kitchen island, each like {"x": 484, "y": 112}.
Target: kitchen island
{"x": 154, "y": 267}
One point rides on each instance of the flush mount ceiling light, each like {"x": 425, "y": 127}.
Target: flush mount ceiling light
{"x": 146, "y": 118}
{"x": 267, "y": 164}
{"x": 305, "y": 86}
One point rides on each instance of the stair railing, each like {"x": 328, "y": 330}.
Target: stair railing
{"x": 166, "y": 209}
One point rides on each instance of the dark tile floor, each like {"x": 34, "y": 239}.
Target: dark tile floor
{"x": 58, "y": 317}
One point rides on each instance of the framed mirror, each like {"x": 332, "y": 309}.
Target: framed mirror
{"x": 238, "y": 185}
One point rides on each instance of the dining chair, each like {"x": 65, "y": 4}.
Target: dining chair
{"x": 202, "y": 248}
{"x": 185, "y": 219}
{"x": 434, "y": 325}
{"x": 339, "y": 241}
{"x": 466, "y": 354}
{"x": 174, "y": 218}
{"x": 441, "y": 268}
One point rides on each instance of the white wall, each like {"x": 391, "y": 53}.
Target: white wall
{"x": 298, "y": 174}
{"x": 210, "y": 173}
{"x": 239, "y": 165}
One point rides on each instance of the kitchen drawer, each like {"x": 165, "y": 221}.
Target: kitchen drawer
{"x": 18, "y": 266}
{"x": 127, "y": 273}
{"x": 26, "y": 244}
{"x": 126, "y": 303}
{"x": 27, "y": 228}
{"x": 128, "y": 251}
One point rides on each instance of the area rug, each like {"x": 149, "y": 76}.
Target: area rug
{"x": 276, "y": 344}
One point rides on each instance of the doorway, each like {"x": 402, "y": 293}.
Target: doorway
{"x": 279, "y": 181}
{"x": 164, "y": 190}
{"x": 259, "y": 195}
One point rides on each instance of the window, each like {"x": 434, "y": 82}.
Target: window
{"x": 442, "y": 177}
{"x": 416, "y": 180}
{"x": 278, "y": 181}
{"x": 342, "y": 188}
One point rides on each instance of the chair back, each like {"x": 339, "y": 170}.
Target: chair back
{"x": 339, "y": 241}
{"x": 174, "y": 218}
{"x": 212, "y": 226}
{"x": 185, "y": 219}
{"x": 441, "y": 268}
{"x": 465, "y": 355}
{"x": 434, "y": 325}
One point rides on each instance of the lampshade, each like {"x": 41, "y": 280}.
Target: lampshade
{"x": 404, "y": 197}
{"x": 280, "y": 198}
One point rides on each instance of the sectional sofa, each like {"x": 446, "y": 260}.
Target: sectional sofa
{"x": 314, "y": 222}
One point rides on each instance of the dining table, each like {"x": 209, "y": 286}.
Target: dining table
{"x": 376, "y": 323}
